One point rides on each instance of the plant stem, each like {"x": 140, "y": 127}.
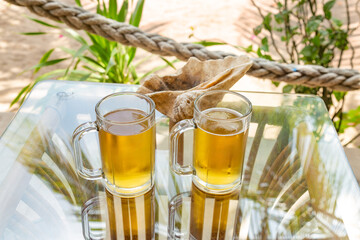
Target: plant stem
{"x": 352, "y": 30}
{"x": 353, "y": 139}
{"x": 347, "y": 15}
{"x": 347, "y": 30}
{"x": 287, "y": 32}
{"x": 340, "y": 109}
{"x": 313, "y": 11}
{"x": 271, "y": 33}
{"x": 340, "y": 122}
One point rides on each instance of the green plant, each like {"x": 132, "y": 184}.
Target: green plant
{"x": 97, "y": 59}
{"x": 309, "y": 34}
{"x": 350, "y": 119}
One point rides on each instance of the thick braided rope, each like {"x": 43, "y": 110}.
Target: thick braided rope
{"x": 78, "y": 18}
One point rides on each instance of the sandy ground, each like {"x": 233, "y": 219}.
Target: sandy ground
{"x": 231, "y": 21}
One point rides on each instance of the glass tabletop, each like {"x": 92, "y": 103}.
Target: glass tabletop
{"x": 297, "y": 182}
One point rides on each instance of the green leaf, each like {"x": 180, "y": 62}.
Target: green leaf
{"x": 136, "y": 15}
{"x": 287, "y": 88}
{"x": 279, "y": 18}
{"x": 257, "y": 29}
{"x": 96, "y": 63}
{"x": 68, "y": 50}
{"x": 77, "y": 75}
{"x": 33, "y": 33}
{"x": 123, "y": 11}
{"x": 85, "y": 77}
{"x": 80, "y": 51}
{"x": 339, "y": 95}
{"x": 353, "y": 114}
{"x": 98, "y": 8}
{"x": 337, "y": 22}
{"x": 327, "y": 8}
{"x": 93, "y": 70}
{"x": 301, "y": 2}
{"x": 133, "y": 73}
{"x": 168, "y": 63}
{"x": 113, "y": 9}
{"x": 264, "y": 44}
{"x": 99, "y": 53}
{"x": 294, "y": 28}
{"x": 105, "y": 12}
{"x": 95, "y": 39}
{"x": 48, "y": 63}
{"x": 268, "y": 57}
{"x": 267, "y": 22}
{"x": 350, "y": 119}
{"x": 17, "y": 98}
{"x": 51, "y": 75}
{"x": 78, "y": 2}
{"x": 74, "y": 35}
{"x": 307, "y": 51}
{"x": 328, "y": 14}
{"x": 208, "y": 43}
{"x": 43, "y": 59}
{"x": 76, "y": 55}
{"x": 329, "y": 5}
{"x": 249, "y": 49}
{"x": 42, "y": 22}
{"x": 316, "y": 41}
{"x": 312, "y": 26}
{"x": 131, "y": 53}
{"x": 276, "y": 83}
{"x": 111, "y": 61}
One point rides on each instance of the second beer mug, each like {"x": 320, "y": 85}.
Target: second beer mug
{"x": 221, "y": 121}
{"x": 126, "y": 125}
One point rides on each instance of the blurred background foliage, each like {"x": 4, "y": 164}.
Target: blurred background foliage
{"x": 97, "y": 59}
{"x": 309, "y": 34}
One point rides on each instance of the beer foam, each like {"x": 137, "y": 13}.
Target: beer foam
{"x": 222, "y": 113}
{"x": 215, "y": 124}
{"x": 126, "y": 122}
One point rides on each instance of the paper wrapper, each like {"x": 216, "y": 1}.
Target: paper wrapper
{"x": 174, "y": 95}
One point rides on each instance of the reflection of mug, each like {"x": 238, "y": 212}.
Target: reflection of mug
{"x": 127, "y": 217}
{"x": 221, "y": 121}
{"x": 131, "y": 218}
{"x": 212, "y": 216}
{"x": 126, "y": 125}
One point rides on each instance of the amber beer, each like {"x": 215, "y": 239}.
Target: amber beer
{"x": 213, "y": 216}
{"x": 131, "y": 218}
{"x": 127, "y": 150}
{"x": 219, "y": 148}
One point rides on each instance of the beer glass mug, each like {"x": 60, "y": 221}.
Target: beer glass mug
{"x": 221, "y": 121}
{"x": 133, "y": 217}
{"x": 125, "y": 122}
{"x": 205, "y": 215}
{"x": 125, "y": 218}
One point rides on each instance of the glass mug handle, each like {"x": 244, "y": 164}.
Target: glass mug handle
{"x": 80, "y": 131}
{"x": 175, "y": 204}
{"x": 175, "y": 134}
{"x": 86, "y": 209}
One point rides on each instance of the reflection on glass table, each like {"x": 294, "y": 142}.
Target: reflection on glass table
{"x": 297, "y": 183}
{"x": 124, "y": 217}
